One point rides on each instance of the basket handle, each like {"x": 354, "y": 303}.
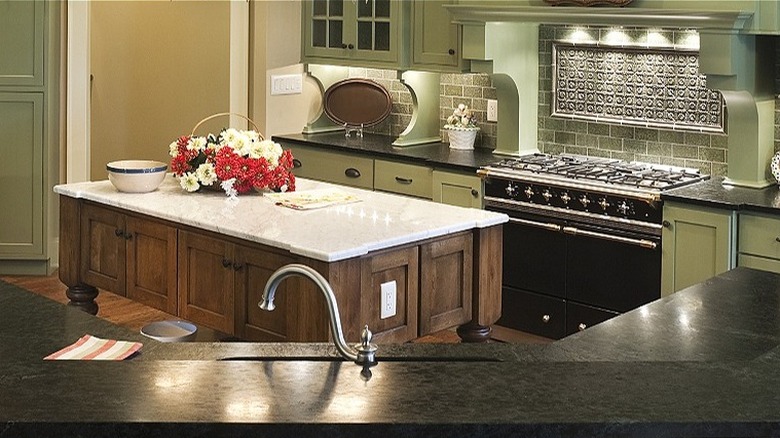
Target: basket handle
{"x": 227, "y": 114}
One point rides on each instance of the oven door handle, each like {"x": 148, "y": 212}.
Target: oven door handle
{"x": 649, "y": 244}
{"x": 544, "y": 225}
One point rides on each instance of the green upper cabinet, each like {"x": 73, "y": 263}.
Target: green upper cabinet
{"x": 21, "y": 43}
{"x": 368, "y": 33}
{"x": 435, "y": 40}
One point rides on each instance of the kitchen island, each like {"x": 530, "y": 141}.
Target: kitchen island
{"x": 404, "y": 266}
{"x": 701, "y": 362}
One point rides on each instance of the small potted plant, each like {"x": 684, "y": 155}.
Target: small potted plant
{"x": 462, "y": 128}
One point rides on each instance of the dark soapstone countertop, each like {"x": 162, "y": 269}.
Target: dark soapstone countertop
{"x": 701, "y": 362}
{"x": 713, "y": 193}
{"x": 380, "y": 146}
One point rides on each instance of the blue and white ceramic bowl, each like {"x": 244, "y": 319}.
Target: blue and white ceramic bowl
{"x": 136, "y": 176}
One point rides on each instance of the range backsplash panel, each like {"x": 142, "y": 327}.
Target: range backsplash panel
{"x": 644, "y": 87}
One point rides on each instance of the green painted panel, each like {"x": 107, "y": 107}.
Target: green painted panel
{"x": 760, "y": 263}
{"x": 21, "y": 42}
{"x": 435, "y": 41}
{"x": 457, "y": 189}
{"x": 21, "y": 174}
{"x": 335, "y": 167}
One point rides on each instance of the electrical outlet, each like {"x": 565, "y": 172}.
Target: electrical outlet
{"x": 387, "y": 300}
{"x": 286, "y": 84}
{"x": 492, "y": 110}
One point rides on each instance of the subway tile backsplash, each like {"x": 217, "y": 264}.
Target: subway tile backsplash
{"x": 702, "y": 150}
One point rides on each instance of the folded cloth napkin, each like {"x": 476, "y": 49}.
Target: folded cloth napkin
{"x": 311, "y": 199}
{"x": 89, "y": 347}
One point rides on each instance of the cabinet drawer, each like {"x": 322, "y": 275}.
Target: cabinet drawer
{"x": 760, "y": 263}
{"x": 335, "y": 167}
{"x": 407, "y": 179}
{"x": 579, "y": 317}
{"x": 758, "y": 235}
{"x": 533, "y": 313}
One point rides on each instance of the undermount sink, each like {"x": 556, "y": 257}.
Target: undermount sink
{"x": 379, "y": 359}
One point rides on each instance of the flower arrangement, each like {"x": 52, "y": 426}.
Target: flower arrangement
{"x": 462, "y": 117}
{"x": 237, "y": 161}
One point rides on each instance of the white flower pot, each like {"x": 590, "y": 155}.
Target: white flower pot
{"x": 462, "y": 138}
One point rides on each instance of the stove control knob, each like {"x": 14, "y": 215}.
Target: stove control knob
{"x": 546, "y": 195}
{"x": 584, "y": 201}
{"x": 603, "y": 203}
{"x": 529, "y": 192}
{"x": 511, "y": 190}
{"x": 623, "y": 208}
{"x": 565, "y": 198}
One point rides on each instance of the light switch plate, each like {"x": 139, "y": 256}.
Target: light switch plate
{"x": 387, "y": 300}
{"x": 286, "y": 84}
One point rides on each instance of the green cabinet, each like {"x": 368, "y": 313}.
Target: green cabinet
{"x": 759, "y": 242}
{"x": 464, "y": 190}
{"x": 435, "y": 40}
{"x": 368, "y": 33}
{"x": 29, "y": 48}
{"x": 697, "y": 243}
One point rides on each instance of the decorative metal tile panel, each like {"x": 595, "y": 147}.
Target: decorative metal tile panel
{"x": 648, "y": 87}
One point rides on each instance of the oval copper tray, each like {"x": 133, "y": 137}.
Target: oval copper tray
{"x": 356, "y": 102}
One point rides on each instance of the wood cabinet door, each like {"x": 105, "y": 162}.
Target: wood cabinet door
{"x": 446, "y": 283}
{"x": 396, "y": 269}
{"x": 103, "y": 248}
{"x": 206, "y": 281}
{"x": 300, "y": 313}
{"x": 151, "y": 264}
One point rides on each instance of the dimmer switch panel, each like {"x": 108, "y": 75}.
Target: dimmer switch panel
{"x": 387, "y": 301}
{"x": 286, "y": 84}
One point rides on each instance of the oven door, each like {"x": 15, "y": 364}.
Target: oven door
{"x": 611, "y": 268}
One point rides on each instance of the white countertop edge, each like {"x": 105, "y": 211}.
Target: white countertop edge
{"x": 115, "y": 200}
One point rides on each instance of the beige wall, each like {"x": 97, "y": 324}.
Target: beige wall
{"x": 158, "y": 68}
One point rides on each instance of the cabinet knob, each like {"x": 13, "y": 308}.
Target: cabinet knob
{"x": 352, "y": 173}
{"x": 777, "y": 239}
{"x": 582, "y": 326}
{"x": 666, "y": 224}
{"x": 237, "y": 266}
{"x": 226, "y": 263}
{"x": 474, "y": 193}
{"x": 451, "y": 51}
{"x": 347, "y": 46}
{"x": 128, "y": 236}
{"x": 546, "y": 319}
{"x": 402, "y": 180}
{"x": 297, "y": 163}
{"x": 119, "y": 233}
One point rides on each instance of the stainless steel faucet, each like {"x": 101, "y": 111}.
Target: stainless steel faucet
{"x": 362, "y": 353}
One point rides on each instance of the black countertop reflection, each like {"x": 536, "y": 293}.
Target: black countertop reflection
{"x": 713, "y": 193}
{"x": 380, "y": 146}
{"x": 701, "y": 362}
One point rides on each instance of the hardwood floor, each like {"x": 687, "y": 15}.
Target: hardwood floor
{"x": 132, "y": 315}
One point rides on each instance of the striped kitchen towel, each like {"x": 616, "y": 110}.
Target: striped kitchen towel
{"x": 89, "y": 347}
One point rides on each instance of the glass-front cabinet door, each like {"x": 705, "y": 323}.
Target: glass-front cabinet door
{"x": 354, "y": 30}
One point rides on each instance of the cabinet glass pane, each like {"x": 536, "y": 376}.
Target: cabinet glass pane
{"x": 320, "y": 7}
{"x": 335, "y": 34}
{"x": 336, "y": 8}
{"x": 365, "y": 8}
{"x": 318, "y": 33}
{"x": 382, "y": 9}
{"x": 382, "y": 36}
{"x": 364, "y": 35}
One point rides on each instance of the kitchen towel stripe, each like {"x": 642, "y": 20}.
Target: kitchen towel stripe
{"x": 89, "y": 347}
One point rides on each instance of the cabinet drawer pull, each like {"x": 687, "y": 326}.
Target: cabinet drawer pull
{"x": 475, "y": 193}
{"x": 546, "y": 319}
{"x": 226, "y": 263}
{"x": 352, "y": 173}
{"x": 451, "y": 51}
{"x": 401, "y": 180}
{"x": 297, "y": 163}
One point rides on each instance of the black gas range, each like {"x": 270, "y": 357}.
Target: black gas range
{"x": 584, "y": 239}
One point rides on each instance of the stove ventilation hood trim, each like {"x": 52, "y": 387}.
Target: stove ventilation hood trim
{"x": 601, "y": 16}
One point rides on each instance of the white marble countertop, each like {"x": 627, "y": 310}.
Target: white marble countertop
{"x": 378, "y": 221}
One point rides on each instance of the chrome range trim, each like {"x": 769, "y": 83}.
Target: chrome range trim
{"x": 643, "y": 243}
{"x": 585, "y": 217}
{"x": 646, "y": 194}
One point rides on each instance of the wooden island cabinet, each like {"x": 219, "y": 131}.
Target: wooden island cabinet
{"x": 216, "y": 279}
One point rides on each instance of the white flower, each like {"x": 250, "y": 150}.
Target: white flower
{"x": 189, "y": 182}
{"x": 173, "y": 149}
{"x": 229, "y": 136}
{"x": 241, "y": 144}
{"x": 196, "y": 144}
{"x": 227, "y": 186}
{"x": 206, "y": 174}
{"x": 267, "y": 149}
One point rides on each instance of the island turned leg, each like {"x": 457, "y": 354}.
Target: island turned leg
{"x": 488, "y": 269}
{"x": 82, "y": 296}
